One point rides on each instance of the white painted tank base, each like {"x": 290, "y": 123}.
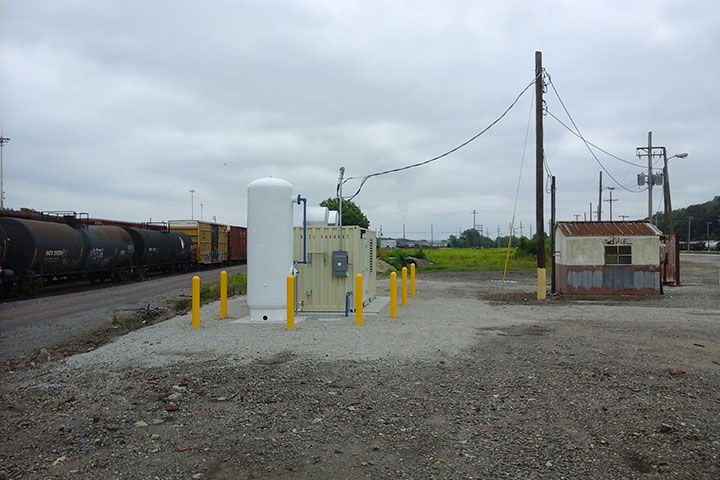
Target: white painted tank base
{"x": 268, "y": 315}
{"x": 270, "y": 248}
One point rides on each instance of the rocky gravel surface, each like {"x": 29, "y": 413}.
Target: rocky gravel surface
{"x": 567, "y": 388}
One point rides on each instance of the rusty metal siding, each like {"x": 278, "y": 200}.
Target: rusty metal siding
{"x": 669, "y": 260}
{"x": 595, "y": 229}
{"x": 608, "y": 280}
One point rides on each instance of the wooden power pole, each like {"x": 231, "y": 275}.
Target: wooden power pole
{"x": 539, "y": 176}
{"x": 552, "y": 233}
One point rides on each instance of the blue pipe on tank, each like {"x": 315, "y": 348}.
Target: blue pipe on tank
{"x": 304, "y": 202}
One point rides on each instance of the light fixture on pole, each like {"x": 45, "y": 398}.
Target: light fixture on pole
{"x": 192, "y": 204}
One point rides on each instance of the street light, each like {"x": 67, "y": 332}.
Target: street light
{"x": 666, "y": 190}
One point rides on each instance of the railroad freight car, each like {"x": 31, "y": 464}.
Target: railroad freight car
{"x": 237, "y": 244}
{"x": 157, "y": 250}
{"x": 210, "y": 240}
{"x": 33, "y": 252}
{"x": 3, "y": 247}
{"x": 36, "y": 250}
{"x": 110, "y": 250}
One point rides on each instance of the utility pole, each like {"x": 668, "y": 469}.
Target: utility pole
{"x": 599, "y": 212}
{"x": 431, "y": 235}
{"x": 539, "y": 175}
{"x": 3, "y": 141}
{"x": 688, "y": 238}
{"x": 650, "y": 177}
{"x": 591, "y": 211}
{"x": 340, "y": 202}
{"x": 192, "y": 204}
{"x": 666, "y": 195}
{"x": 623, "y": 217}
{"x": 577, "y": 216}
{"x": 611, "y": 200}
{"x": 201, "y": 211}
{"x": 474, "y": 212}
{"x": 498, "y": 230}
{"x": 403, "y": 231}
{"x": 521, "y": 234}
{"x": 552, "y": 232}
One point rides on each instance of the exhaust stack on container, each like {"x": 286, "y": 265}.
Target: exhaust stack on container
{"x": 270, "y": 247}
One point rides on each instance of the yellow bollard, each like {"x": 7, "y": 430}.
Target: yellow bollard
{"x": 393, "y": 295}
{"x": 358, "y": 299}
{"x": 290, "y": 302}
{"x": 223, "y": 294}
{"x": 404, "y": 286}
{"x": 412, "y": 279}
{"x": 541, "y": 284}
{"x": 196, "y": 302}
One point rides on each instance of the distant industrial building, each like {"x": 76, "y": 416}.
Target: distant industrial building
{"x": 385, "y": 243}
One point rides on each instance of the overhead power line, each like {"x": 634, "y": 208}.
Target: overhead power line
{"x": 587, "y": 145}
{"x": 592, "y": 144}
{"x": 452, "y": 150}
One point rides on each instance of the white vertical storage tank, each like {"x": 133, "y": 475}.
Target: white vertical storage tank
{"x": 270, "y": 247}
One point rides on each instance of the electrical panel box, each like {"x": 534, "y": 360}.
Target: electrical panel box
{"x": 339, "y": 263}
{"x": 323, "y": 283}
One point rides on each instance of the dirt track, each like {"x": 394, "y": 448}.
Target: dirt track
{"x": 568, "y": 388}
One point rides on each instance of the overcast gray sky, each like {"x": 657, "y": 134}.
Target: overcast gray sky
{"x": 120, "y": 108}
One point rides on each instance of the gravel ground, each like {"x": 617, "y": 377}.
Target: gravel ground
{"x": 475, "y": 379}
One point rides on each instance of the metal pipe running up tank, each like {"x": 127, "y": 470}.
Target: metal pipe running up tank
{"x": 304, "y": 202}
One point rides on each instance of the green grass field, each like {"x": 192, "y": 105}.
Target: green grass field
{"x": 462, "y": 259}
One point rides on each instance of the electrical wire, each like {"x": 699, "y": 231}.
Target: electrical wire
{"x": 586, "y": 142}
{"x": 592, "y": 144}
{"x": 517, "y": 191}
{"x": 452, "y": 150}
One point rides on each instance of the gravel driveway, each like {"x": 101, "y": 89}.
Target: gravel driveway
{"x": 475, "y": 379}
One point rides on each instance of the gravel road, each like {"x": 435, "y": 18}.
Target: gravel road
{"x": 475, "y": 379}
{"x": 28, "y": 326}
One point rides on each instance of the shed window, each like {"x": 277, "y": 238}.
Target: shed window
{"x": 618, "y": 254}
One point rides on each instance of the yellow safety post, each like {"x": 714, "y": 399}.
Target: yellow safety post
{"x": 393, "y": 295}
{"x": 412, "y": 279}
{"x": 196, "y": 302}
{"x": 290, "y": 302}
{"x": 223, "y": 294}
{"x": 541, "y": 284}
{"x": 358, "y": 299}
{"x": 404, "y": 286}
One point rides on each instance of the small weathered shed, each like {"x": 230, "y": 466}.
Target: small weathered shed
{"x": 607, "y": 258}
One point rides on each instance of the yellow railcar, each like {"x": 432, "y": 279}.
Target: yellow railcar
{"x": 210, "y": 241}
